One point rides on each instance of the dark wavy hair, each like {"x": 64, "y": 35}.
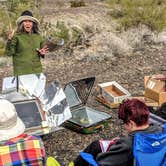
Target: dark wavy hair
{"x": 134, "y": 110}
{"x": 20, "y": 28}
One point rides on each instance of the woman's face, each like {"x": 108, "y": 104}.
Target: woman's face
{"x": 28, "y": 25}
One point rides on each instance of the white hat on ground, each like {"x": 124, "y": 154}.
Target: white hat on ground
{"x": 10, "y": 124}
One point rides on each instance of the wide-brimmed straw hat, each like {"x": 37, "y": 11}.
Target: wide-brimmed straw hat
{"x": 27, "y": 15}
{"x": 10, "y": 124}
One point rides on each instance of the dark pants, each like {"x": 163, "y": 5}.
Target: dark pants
{"x": 93, "y": 148}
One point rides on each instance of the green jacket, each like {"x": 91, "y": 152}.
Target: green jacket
{"x": 26, "y": 60}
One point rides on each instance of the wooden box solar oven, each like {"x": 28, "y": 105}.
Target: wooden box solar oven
{"x": 113, "y": 92}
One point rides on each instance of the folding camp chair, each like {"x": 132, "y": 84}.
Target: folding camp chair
{"x": 51, "y": 161}
{"x": 150, "y": 149}
{"x": 104, "y": 144}
{"x": 88, "y": 158}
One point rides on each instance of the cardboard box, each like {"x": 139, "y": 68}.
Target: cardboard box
{"x": 149, "y": 102}
{"x": 113, "y": 92}
{"x": 155, "y": 89}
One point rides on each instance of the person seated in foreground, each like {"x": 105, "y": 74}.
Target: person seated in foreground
{"x": 135, "y": 117}
{"x": 16, "y": 147}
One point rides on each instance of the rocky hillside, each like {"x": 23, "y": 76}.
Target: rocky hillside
{"x": 99, "y": 37}
{"x": 101, "y": 49}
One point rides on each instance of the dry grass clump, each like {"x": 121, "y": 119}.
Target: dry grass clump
{"x": 134, "y": 12}
{"x": 76, "y": 3}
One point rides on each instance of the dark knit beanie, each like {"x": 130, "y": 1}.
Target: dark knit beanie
{"x": 27, "y": 13}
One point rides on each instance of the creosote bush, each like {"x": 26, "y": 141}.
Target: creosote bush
{"x": 56, "y": 32}
{"x": 62, "y": 31}
{"x": 134, "y": 12}
{"x": 76, "y": 3}
{"x": 2, "y": 47}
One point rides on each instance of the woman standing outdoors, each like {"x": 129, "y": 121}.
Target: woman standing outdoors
{"x": 26, "y": 45}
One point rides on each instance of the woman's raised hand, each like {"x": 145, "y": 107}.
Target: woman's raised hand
{"x": 43, "y": 50}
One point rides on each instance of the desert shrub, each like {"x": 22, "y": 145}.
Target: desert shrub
{"x": 58, "y": 3}
{"x": 2, "y": 52}
{"x": 2, "y": 47}
{"x": 134, "y": 12}
{"x": 77, "y": 35}
{"x": 62, "y": 31}
{"x": 76, "y": 3}
{"x": 72, "y": 34}
{"x": 55, "y": 32}
{"x": 2, "y": 44}
{"x": 2, "y": 64}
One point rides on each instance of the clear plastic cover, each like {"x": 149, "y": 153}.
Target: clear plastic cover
{"x": 86, "y": 116}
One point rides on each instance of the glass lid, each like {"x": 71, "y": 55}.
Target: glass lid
{"x": 29, "y": 113}
{"x": 87, "y": 116}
